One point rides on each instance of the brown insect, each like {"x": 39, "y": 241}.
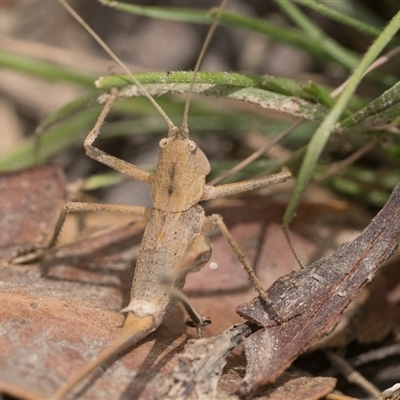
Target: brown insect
{"x": 175, "y": 240}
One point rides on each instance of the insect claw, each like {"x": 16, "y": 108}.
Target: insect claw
{"x": 204, "y": 321}
{"x": 274, "y": 314}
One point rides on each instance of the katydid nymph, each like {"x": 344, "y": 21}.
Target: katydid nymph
{"x": 175, "y": 240}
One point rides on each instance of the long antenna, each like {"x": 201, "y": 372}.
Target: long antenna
{"x": 199, "y": 61}
{"x": 101, "y": 42}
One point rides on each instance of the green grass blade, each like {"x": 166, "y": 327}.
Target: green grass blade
{"x": 43, "y": 69}
{"x": 167, "y": 13}
{"x": 70, "y": 110}
{"x": 288, "y": 97}
{"x": 340, "y": 17}
{"x": 338, "y": 53}
{"x": 369, "y": 114}
{"x": 58, "y": 138}
{"x": 322, "y": 134}
{"x": 287, "y": 35}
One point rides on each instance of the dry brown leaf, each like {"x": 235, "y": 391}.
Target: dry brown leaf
{"x": 373, "y": 315}
{"x": 31, "y": 200}
{"x": 312, "y": 300}
{"x": 46, "y": 339}
{"x": 299, "y": 388}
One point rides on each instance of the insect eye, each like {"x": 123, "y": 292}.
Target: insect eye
{"x": 163, "y": 142}
{"x": 192, "y": 146}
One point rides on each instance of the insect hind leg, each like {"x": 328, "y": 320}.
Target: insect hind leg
{"x": 72, "y": 207}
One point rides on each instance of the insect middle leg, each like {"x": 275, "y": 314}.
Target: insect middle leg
{"x": 215, "y": 220}
{"x": 229, "y": 189}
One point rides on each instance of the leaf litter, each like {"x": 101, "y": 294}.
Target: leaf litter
{"x": 60, "y": 313}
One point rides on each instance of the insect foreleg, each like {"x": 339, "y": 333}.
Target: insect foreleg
{"x": 102, "y": 157}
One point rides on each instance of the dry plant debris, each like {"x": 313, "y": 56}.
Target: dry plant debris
{"x": 34, "y": 196}
{"x": 60, "y": 313}
{"x": 312, "y": 300}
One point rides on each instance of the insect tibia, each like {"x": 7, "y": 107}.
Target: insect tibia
{"x": 229, "y": 189}
{"x": 134, "y": 330}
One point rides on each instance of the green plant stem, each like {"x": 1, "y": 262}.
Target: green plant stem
{"x": 335, "y": 51}
{"x": 43, "y": 69}
{"x": 322, "y": 134}
{"x": 340, "y": 17}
